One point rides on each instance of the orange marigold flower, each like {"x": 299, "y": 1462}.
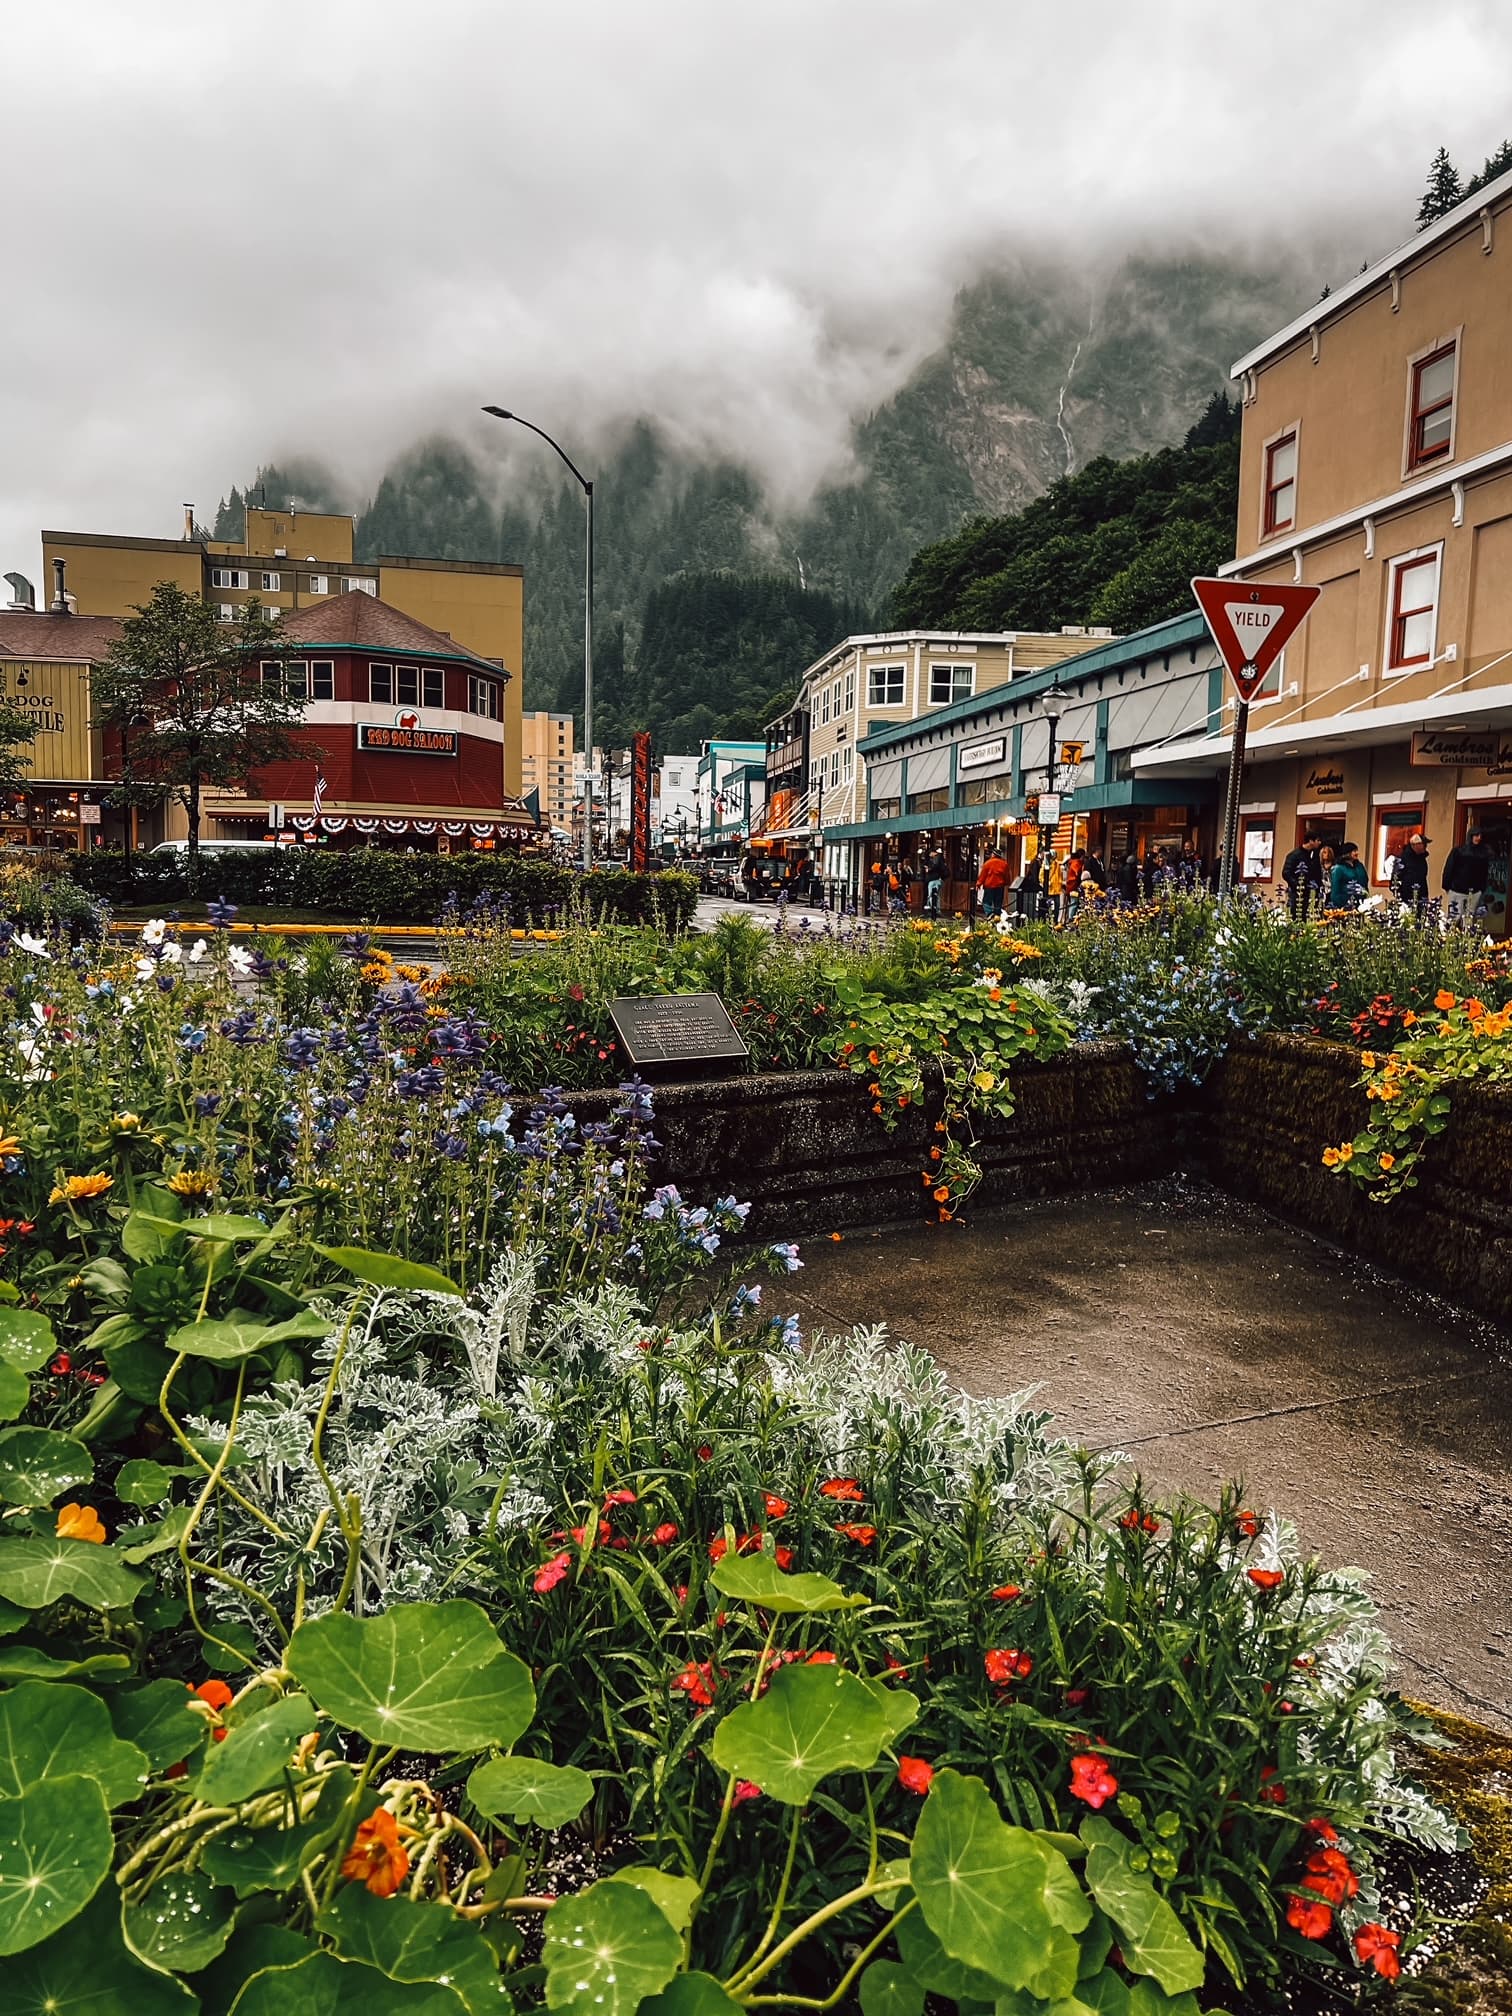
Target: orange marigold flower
{"x": 79, "y": 1522}
{"x": 915, "y": 1775}
{"x": 845, "y": 1488}
{"x": 377, "y": 1857}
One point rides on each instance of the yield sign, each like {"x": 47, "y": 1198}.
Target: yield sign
{"x": 1251, "y": 622}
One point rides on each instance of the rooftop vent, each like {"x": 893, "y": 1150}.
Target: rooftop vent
{"x": 23, "y": 595}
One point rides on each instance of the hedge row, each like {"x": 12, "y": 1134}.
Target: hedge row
{"x": 379, "y": 886}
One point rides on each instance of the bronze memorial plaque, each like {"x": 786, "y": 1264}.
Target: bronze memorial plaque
{"x": 677, "y": 1033}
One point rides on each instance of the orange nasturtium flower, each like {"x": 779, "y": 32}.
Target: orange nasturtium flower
{"x": 74, "y": 1187}
{"x": 80, "y": 1522}
{"x": 1443, "y": 1000}
{"x": 377, "y": 1857}
{"x": 1388, "y": 1163}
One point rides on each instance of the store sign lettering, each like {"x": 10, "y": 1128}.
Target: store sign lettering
{"x": 43, "y": 710}
{"x": 980, "y": 754}
{"x": 1474, "y": 749}
{"x": 375, "y": 740}
{"x": 1325, "y": 783}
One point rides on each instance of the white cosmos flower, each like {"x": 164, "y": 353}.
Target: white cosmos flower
{"x": 36, "y": 946}
{"x": 154, "y": 931}
{"x": 239, "y": 959}
{"x": 172, "y": 955}
{"x": 197, "y": 951}
{"x": 144, "y": 970}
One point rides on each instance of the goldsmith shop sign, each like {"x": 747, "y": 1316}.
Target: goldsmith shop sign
{"x": 1488, "y": 749}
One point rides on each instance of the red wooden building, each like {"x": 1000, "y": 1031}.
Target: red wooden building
{"x": 410, "y": 726}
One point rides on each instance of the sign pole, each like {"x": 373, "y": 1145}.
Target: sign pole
{"x": 1231, "y": 801}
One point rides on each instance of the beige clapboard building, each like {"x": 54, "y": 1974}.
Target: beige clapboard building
{"x": 1376, "y": 462}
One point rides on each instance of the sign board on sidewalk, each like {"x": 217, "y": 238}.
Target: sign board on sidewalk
{"x": 1251, "y": 622}
{"x": 1048, "y": 811}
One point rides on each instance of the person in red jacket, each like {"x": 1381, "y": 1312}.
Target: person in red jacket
{"x": 991, "y": 882}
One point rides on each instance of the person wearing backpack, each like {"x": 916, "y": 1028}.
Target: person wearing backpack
{"x": 898, "y": 878}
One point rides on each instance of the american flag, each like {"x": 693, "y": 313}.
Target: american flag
{"x": 318, "y": 802}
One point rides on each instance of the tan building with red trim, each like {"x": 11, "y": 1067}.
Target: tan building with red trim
{"x": 1376, "y": 462}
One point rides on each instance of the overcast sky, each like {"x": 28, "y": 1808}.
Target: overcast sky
{"x": 235, "y": 234}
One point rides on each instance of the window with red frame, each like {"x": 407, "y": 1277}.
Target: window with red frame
{"x": 1432, "y": 408}
{"x": 1414, "y": 610}
{"x": 1281, "y": 484}
{"x": 1395, "y": 826}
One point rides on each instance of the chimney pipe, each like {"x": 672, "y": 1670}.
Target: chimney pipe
{"x": 189, "y": 522}
{"x": 60, "y": 604}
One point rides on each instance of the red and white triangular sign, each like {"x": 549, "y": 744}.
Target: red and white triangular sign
{"x": 1251, "y": 622}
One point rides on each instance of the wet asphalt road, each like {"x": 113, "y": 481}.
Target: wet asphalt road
{"x": 1211, "y": 1342}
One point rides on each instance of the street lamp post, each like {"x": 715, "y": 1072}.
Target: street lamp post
{"x": 499, "y": 413}
{"x": 1051, "y": 703}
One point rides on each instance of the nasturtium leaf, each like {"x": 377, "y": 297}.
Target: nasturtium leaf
{"x": 1106, "y": 1993}
{"x": 1143, "y": 1998}
{"x": 223, "y": 1343}
{"x": 255, "y": 1754}
{"x": 429, "y": 1676}
{"x": 160, "y": 1538}
{"x": 813, "y": 1720}
{"x": 1096, "y": 1943}
{"x": 1150, "y": 1935}
{"x": 232, "y": 1649}
{"x": 48, "y": 1731}
{"x": 251, "y": 1949}
{"x": 35, "y": 1573}
{"x": 410, "y": 1941}
{"x": 673, "y": 1896}
{"x": 155, "y": 1716}
{"x": 992, "y": 1894}
{"x": 607, "y": 1948}
{"x": 86, "y": 1970}
{"x": 270, "y": 1858}
{"x": 756, "y": 1578}
{"x": 691, "y": 1995}
{"x": 892, "y": 1881}
{"x": 323, "y": 1985}
{"x": 12, "y": 1616}
{"x": 138, "y": 1363}
{"x": 38, "y": 1465}
{"x": 55, "y": 1850}
{"x": 384, "y": 1270}
{"x": 890, "y": 1990}
{"x": 151, "y": 1229}
{"x": 143, "y": 1482}
{"x": 932, "y": 1967}
{"x": 25, "y": 1662}
{"x": 900, "y": 1709}
{"x": 27, "y": 1339}
{"x": 308, "y": 1323}
{"x": 181, "y": 1924}
{"x": 15, "y": 1391}
{"x": 526, "y": 1788}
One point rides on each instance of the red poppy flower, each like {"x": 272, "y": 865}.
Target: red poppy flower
{"x": 1312, "y": 1919}
{"x": 551, "y": 1573}
{"x": 1266, "y": 1578}
{"x": 862, "y": 1535}
{"x": 1248, "y": 1523}
{"x": 1077, "y": 1697}
{"x": 744, "y": 1790}
{"x": 842, "y": 1487}
{"x": 1329, "y": 1873}
{"x": 718, "y": 1548}
{"x": 696, "y": 1680}
{"x": 1009, "y": 1592}
{"x": 1135, "y": 1521}
{"x": 1003, "y": 1667}
{"x": 1272, "y": 1791}
{"x": 776, "y": 1508}
{"x": 1092, "y": 1781}
{"x": 705, "y": 1452}
{"x": 1377, "y": 1946}
{"x": 914, "y": 1775}
{"x": 1323, "y": 1830}
{"x": 662, "y": 1536}
{"x": 377, "y": 1858}
{"x": 620, "y": 1497}
{"x": 783, "y": 1556}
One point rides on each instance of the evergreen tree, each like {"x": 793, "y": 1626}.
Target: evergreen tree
{"x": 1444, "y": 190}
{"x": 1496, "y": 164}
{"x": 187, "y": 691}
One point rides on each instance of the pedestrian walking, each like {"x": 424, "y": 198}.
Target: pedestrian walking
{"x": 1410, "y": 882}
{"x": 934, "y": 880}
{"x": 1467, "y": 872}
{"x": 1128, "y": 878}
{"x": 899, "y": 876}
{"x": 1054, "y": 882}
{"x": 876, "y": 887}
{"x": 1302, "y": 873}
{"x": 1347, "y": 881}
{"x": 992, "y": 880}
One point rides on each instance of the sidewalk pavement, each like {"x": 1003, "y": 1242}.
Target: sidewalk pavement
{"x": 1209, "y": 1341}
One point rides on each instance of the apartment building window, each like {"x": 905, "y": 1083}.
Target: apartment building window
{"x": 226, "y": 612}
{"x": 270, "y": 613}
{"x": 848, "y": 765}
{"x": 1414, "y": 611}
{"x": 884, "y": 685}
{"x": 482, "y": 697}
{"x": 824, "y": 707}
{"x": 849, "y": 705}
{"x": 835, "y": 700}
{"x": 950, "y": 682}
{"x": 1281, "y": 485}
{"x": 365, "y": 584}
{"x": 1431, "y": 428}
{"x": 319, "y": 585}
{"x": 272, "y": 584}
{"x": 229, "y": 577}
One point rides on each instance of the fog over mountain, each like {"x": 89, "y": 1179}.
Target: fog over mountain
{"x": 337, "y": 230}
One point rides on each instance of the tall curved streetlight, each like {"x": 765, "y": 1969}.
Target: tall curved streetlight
{"x": 1051, "y": 704}
{"x": 499, "y": 413}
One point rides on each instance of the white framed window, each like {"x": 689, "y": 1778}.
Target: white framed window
{"x": 884, "y": 685}
{"x": 415, "y": 686}
{"x": 1412, "y": 610}
{"x": 848, "y": 706}
{"x": 362, "y": 584}
{"x": 229, "y": 577}
{"x": 227, "y": 612}
{"x": 834, "y": 769}
{"x": 272, "y": 584}
{"x": 835, "y": 699}
{"x": 824, "y": 706}
{"x": 955, "y": 681}
{"x": 270, "y": 612}
{"x": 319, "y": 584}
{"x": 483, "y": 697}
{"x": 323, "y": 679}
{"x": 848, "y": 764}
{"x": 1431, "y": 382}
{"x": 381, "y": 682}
